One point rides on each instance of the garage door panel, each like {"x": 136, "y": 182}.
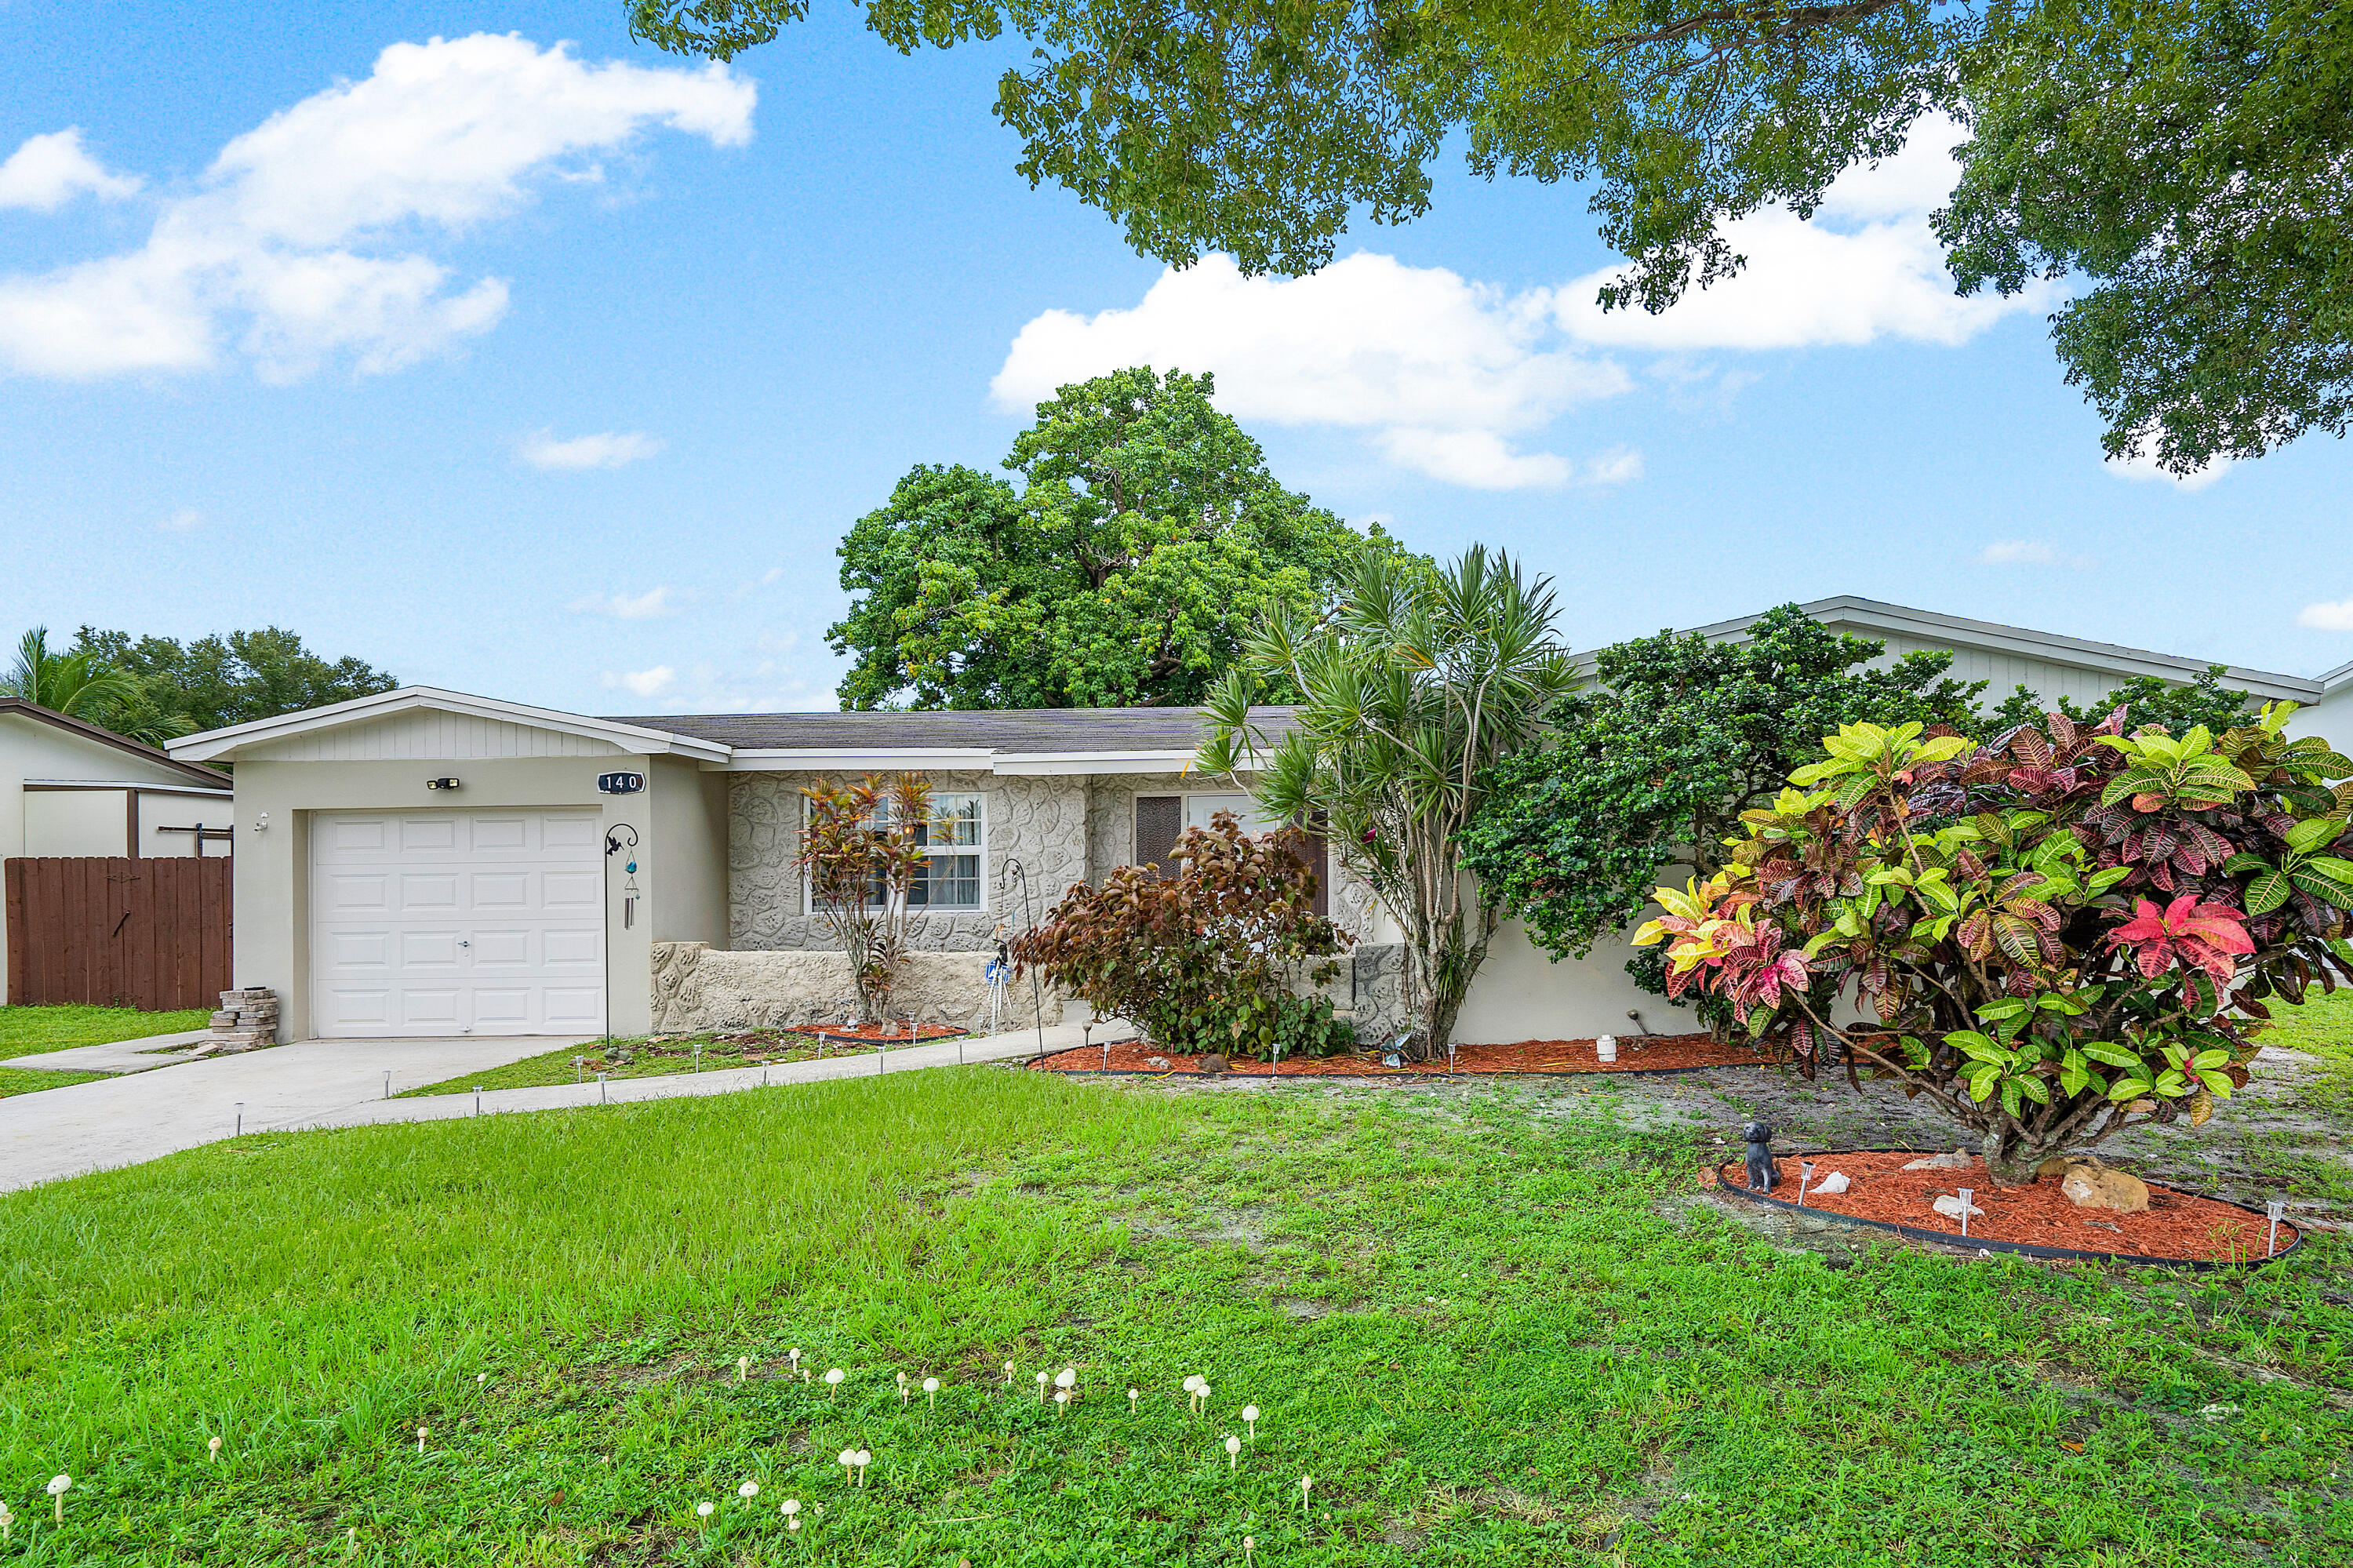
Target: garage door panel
{"x": 457, "y": 922}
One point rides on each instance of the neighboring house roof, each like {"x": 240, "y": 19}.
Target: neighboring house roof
{"x": 626, "y": 737}
{"x": 187, "y": 772}
{"x": 1876, "y": 617}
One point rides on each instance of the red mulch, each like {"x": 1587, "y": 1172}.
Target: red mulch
{"x": 2176, "y": 1224}
{"x": 875, "y": 1033}
{"x": 1655, "y": 1052}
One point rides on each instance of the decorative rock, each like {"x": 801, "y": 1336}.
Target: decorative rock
{"x": 1950, "y": 1207}
{"x": 1158, "y": 1064}
{"x": 2097, "y": 1187}
{"x": 1836, "y": 1181}
{"x": 1958, "y": 1159}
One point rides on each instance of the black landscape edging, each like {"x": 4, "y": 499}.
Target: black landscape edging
{"x": 1039, "y": 1062}
{"x": 2024, "y": 1249}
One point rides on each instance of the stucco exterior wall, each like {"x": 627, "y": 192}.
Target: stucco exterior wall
{"x": 697, "y": 988}
{"x": 689, "y": 876}
{"x": 1042, "y": 821}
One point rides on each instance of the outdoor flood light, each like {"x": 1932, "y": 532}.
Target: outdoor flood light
{"x": 450, "y": 782}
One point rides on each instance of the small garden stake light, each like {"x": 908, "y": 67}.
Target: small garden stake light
{"x": 1250, "y": 1418}
{"x": 58, "y": 1487}
{"x": 2275, "y": 1209}
{"x": 1233, "y": 1450}
{"x": 1966, "y": 1193}
{"x": 1805, "y": 1177}
{"x": 833, "y": 1382}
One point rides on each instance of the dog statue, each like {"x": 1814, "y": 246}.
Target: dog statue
{"x": 1761, "y": 1174}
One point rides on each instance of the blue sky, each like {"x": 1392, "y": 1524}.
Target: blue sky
{"x": 558, "y": 377}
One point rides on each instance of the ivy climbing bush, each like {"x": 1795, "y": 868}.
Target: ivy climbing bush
{"x": 1202, "y": 959}
{"x": 2057, "y": 935}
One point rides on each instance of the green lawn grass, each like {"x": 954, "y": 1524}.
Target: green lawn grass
{"x": 645, "y": 1059}
{"x": 2322, "y": 1027}
{"x": 1494, "y": 1333}
{"x": 26, "y": 1080}
{"x": 25, "y": 1031}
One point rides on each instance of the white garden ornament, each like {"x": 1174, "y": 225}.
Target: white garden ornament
{"x": 57, "y": 1489}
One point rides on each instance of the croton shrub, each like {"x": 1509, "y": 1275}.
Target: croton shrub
{"x": 862, "y": 847}
{"x": 2055, "y": 935}
{"x": 1202, "y": 957}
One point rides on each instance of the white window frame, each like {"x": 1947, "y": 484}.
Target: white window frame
{"x": 980, "y": 797}
{"x": 1249, "y": 815}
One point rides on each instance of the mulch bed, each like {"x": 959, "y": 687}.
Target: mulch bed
{"x": 875, "y": 1033}
{"x": 2177, "y": 1225}
{"x": 1653, "y": 1054}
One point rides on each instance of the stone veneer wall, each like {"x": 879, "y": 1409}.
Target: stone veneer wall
{"x": 1042, "y": 821}
{"x": 698, "y": 987}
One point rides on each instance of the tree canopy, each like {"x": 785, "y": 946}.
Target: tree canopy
{"x": 2181, "y": 161}
{"x": 1146, "y": 539}
{"x": 1654, "y": 765}
{"x": 178, "y": 688}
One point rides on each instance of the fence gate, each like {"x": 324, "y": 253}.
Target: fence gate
{"x": 151, "y": 934}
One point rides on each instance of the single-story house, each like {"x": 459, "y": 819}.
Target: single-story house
{"x": 426, "y": 861}
{"x": 70, "y": 790}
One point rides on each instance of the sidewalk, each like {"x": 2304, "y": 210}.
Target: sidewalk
{"x": 143, "y": 1116}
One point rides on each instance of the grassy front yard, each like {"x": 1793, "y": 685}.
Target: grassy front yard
{"x": 637, "y": 1058}
{"x": 1496, "y": 1326}
{"x": 27, "y": 1031}
{"x": 26, "y": 1080}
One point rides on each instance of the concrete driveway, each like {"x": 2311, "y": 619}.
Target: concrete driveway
{"x": 144, "y": 1115}
{"x": 56, "y": 1133}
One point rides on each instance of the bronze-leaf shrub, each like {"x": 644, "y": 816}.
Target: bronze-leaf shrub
{"x": 1202, "y": 957}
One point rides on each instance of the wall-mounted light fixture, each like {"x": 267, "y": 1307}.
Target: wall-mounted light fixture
{"x": 262, "y": 823}
{"x": 441, "y": 783}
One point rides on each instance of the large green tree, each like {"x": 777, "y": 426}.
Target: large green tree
{"x": 83, "y": 684}
{"x": 223, "y": 679}
{"x": 2182, "y": 161}
{"x": 1653, "y": 764}
{"x": 1146, "y": 539}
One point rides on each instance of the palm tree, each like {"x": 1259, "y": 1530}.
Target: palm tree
{"x": 82, "y": 685}
{"x": 1418, "y": 683}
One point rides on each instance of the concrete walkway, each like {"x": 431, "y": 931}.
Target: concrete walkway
{"x": 140, "y": 1055}
{"x": 143, "y": 1116}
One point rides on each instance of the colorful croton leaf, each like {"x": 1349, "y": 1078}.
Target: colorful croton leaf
{"x": 2053, "y": 935}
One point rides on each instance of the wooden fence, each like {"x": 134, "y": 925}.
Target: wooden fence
{"x": 151, "y": 934}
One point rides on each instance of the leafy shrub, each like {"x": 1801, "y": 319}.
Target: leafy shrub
{"x": 862, "y": 849}
{"x": 2060, "y": 933}
{"x": 1201, "y": 959}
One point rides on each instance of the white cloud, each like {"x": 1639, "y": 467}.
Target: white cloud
{"x": 646, "y": 605}
{"x": 2031, "y": 553}
{"x": 2337, "y": 617}
{"x": 608, "y": 448}
{"x": 1865, "y": 267}
{"x": 642, "y": 682}
{"x": 1440, "y": 370}
{"x": 46, "y": 171}
{"x": 2143, "y": 466}
{"x": 272, "y": 247}
{"x": 186, "y": 520}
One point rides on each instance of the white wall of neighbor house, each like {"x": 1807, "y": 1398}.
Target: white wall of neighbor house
{"x": 76, "y": 823}
{"x": 273, "y": 860}
{"x": 2330, "y": 718}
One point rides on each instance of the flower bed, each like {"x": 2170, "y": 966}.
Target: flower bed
{"x": 2177, "y": 1226}
{"x": 1655, "y": 1054}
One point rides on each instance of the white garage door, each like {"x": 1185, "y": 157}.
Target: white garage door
{"x": 455, "y": 923}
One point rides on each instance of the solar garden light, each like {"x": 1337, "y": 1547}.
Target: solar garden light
{"x": 1806, "y": 1174}
{"x": 240, "y": 1118}
{"x": 602, "y": 1097}
{"x": 698, "y": 1056}
{"x": 388, "y": 1083}
{"x": 478, "y": 1099}
{"x": 579, "y": 1070}
{"x": 212, "y": 1449}
{"x": 833, "y": 1382}
{"x": 1233, "y": 1450}
{"x": 932, "y": 1392}
{"x": 2273, "y": 1209}
{"x": 57, "y": 1489}
{"x": 1966, "y": 1193}
{"x": 1250, "y": 1416}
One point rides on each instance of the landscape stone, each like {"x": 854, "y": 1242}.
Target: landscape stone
{"x": 2098, "y": 1187}
{"x": 1950, "y": 1207}
{"x": 1958, "y": 1159}
{"x": 1836, "y": 1181}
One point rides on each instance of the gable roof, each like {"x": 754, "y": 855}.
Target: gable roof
{"x": 1877, "y": 617}
{"x": 225, "y": 742}
{"x": 209, "y": 777}
{"x": 1061, "y": 731}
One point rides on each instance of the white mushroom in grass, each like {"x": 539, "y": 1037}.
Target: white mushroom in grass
{"x": 57, "y": 1489}
{"x": 1133, "y": 1395}
{"x": 789, "y": 1507}
{"x": 902, "y": 1391}
{"x": 1061, "y": 1400}
{"x": 932, "y": 1392}
{"x": 1067, "y": 1378}
{"x": 420, "y": 1438}
{"x": 847, "y": 1460}
{"x": 748, "y": 1490}
{"x": 865, "y": 1457}
{"x": 1043, "y": 1379}
{"x": 1250, "y": 1545}
{"x": 1250, "y": 1417}
{"x": 705, "y": 1508}
{"x": 7, "y": 1521}
{"x": 1008, "y": 1374}
{"x": 743, "y": 1368}
{"x": 1306, "y": 1484}
{"x": 833, "y": 1382}
{"x": 1233, "y": 1450}
{"x": 212, "y": 1449}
